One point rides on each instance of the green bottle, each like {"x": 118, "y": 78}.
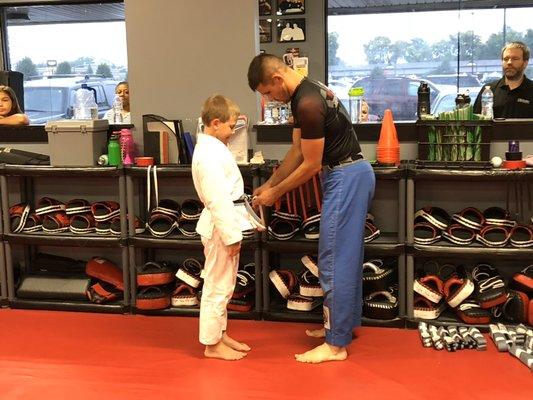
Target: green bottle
{"x": 113, "y": 150}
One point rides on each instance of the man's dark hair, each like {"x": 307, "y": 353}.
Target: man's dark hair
{"x": 262, "y": 68}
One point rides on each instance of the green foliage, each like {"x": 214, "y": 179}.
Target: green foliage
{"x": 105, "y": 70}
{"x": 63, "y": 68}
{"x": 26, "y": 67}
{"x": 333, "y": 46}
{"x": 89, "y": 70}
{"x": 378, "y": 50}
{"x": 377, "y": 73}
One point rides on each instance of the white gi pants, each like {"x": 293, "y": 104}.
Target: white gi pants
{"x": 220, "y": 275}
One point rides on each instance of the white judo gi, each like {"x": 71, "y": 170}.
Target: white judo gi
{"x": 218, "y": 182}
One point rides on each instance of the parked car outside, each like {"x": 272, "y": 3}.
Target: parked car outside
{"x": 400, "y": 94}
{"x": 52, "y": 97}
{"x": 445, "y": 100}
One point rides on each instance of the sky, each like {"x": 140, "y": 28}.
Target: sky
{"x": 357, "y": 30}
{"x": 105, "y": 41}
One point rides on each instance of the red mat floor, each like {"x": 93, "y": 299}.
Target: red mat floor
{"x": 66, "y": 355}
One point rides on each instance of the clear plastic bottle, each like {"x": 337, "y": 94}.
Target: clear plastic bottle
{"x": 355, "y": 95}
{"x": 117, "y": 110}
{"x": 487, "y": 103}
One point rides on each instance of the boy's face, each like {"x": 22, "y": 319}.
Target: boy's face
{"x": 224, "y": 130}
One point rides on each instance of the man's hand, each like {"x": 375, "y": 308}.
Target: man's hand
{"x": 267, "y": 198}
{"x": 234, "y": 249}
{"x": 262, "y": 188}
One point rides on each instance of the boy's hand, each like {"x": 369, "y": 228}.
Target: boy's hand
{"x": 234, "y": 249}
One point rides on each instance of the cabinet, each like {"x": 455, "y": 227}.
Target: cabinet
{"x": 92, "y": 183}
{"x": 388, "y": 208}
{"x": 454, "y": 189}
{"x": 176, "y": 182}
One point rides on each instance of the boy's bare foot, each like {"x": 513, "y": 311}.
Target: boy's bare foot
{"x": 234, "y": 344}
{"x": 223, "y": 352}
{"x": 324, "y": 352}
{"x": 318, "y": 333}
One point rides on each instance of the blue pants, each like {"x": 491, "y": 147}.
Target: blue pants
{"x": 347, "y": 192}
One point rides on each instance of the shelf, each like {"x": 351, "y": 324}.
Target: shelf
{"x": 471, "y": 251}
{"x": 64, "y": 239}
{"x": 49, "y": 171}
{"x": 448, "y": 174}
{"x": 176, "y": 170}
{"x": 386, "y": 245}
{"x": 195, "y": 312}
{"x": 179, "y": 242}
{"x": 449, "y": 318}
{"x": 279, "y": 312}
{"x": 67, "y": 305}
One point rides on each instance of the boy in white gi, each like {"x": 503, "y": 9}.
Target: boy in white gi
{"x": 219, "y": 183}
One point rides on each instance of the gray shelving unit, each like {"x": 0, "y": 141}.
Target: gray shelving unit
{"x": 141, "y": 245}
{"x": 454, "y": 189}
{"x": 389, "y": 208}
{"x": 27, "y": 176}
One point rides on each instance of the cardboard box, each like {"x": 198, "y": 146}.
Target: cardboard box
{"x": 76, "y": 142}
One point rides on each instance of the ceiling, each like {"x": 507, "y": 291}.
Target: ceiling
{"x": 114, "y": 11}
{"x": 64, "y": 13}
{"x": 339, "y": 7}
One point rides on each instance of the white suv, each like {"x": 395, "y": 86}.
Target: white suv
{"x": 52, "y": 97}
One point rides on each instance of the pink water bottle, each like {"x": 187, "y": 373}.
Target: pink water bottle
{"x": 126, "y": 146}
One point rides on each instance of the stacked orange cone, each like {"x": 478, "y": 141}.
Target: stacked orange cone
{"x": 388, "y": 149}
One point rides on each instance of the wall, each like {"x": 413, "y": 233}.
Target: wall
{"x": 180, "y": 52}
{"x": 314, "y": 46}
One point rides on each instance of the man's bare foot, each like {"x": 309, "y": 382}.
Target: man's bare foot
{"x": 234, "y": 344}
{"x": 322, "y": 353}
{"x": 223, "y": 351}
{"x": 318, "y": 333}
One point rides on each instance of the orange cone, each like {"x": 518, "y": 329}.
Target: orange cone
{"x": 388, "y": 149}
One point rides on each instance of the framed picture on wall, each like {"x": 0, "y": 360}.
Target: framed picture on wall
{"x": 289, "y": 7}
{"x": 265, "y": 7}
{"x": 265, "y": 30}
{"x": 291, "y": 30}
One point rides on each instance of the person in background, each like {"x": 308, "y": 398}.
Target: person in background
{"x": 218, "y": 183}
{"x": 513, "y": 93}
{"x": 323, "y": 139}
{"x": 10, "y": 112}
{"x": 123, "y": 91}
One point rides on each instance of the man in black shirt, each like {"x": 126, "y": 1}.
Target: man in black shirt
{"x": 323, "y": 139}
{"x": 513, "y": 93}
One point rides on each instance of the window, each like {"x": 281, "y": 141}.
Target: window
{"x": 59, "y": 47}
{"x": 454, "y": 51}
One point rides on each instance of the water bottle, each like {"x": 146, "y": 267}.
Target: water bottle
{"x": 355, "y": 95}
{"x": 113, "y": 150}
{"x": 487, "y": 103}
{"x": 126, "y": 146}
{"x": 268, "y": 114}
{"x": 117, "y": 110}
{"x": 85, "y": 106}
{"x": 423, "y": 107}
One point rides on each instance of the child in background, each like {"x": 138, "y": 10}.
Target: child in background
{"x": 218, "y": 182}
{"x": 10, "y": 112}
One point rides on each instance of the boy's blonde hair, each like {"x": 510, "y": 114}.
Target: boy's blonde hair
{"x": 218, "y": 106}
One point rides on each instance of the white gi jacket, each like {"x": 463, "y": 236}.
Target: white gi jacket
{"x": 218, "y": 182}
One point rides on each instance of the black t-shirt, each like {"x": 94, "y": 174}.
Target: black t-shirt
{"x": 320, "y": 114}
{"x": 516, "y": 103}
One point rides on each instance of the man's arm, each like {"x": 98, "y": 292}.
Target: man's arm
{"x": 312, "y": 150}
{"x": 292, "y": 160}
